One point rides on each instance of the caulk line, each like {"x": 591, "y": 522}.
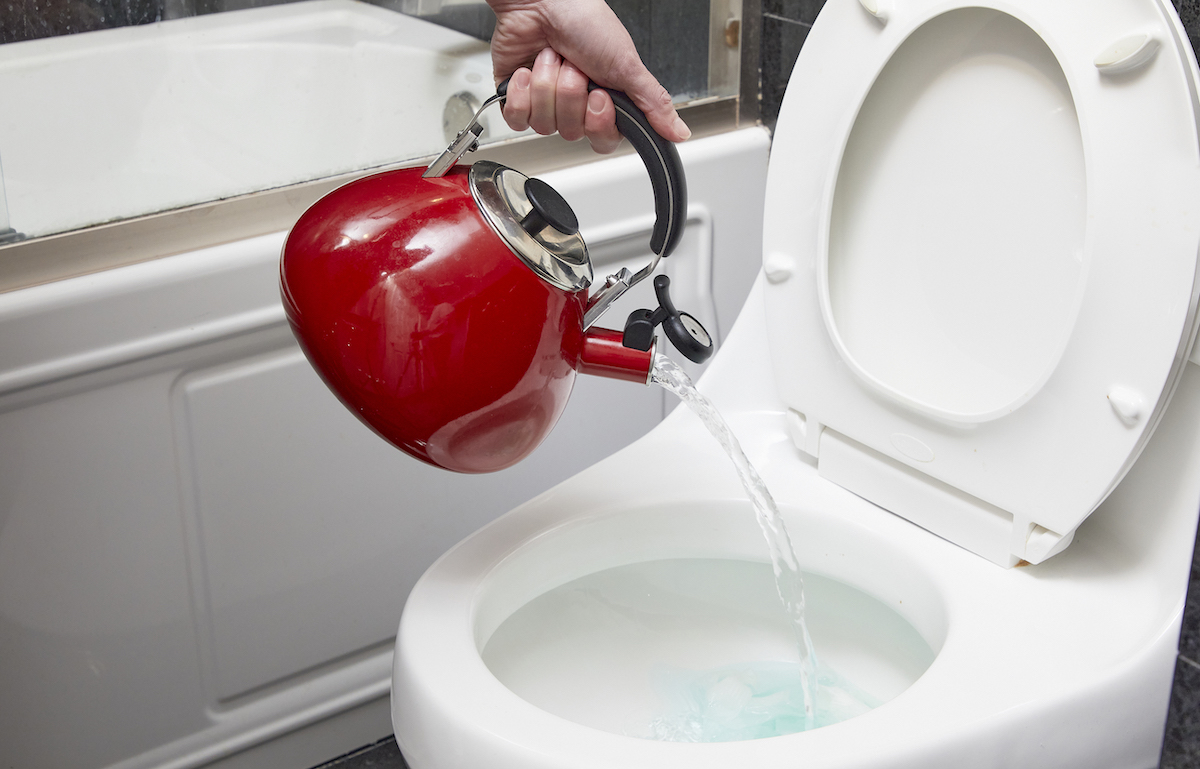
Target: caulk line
{"x": 777, "y": 17}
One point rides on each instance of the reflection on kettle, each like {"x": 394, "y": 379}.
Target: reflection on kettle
{"x": 448, "y": 307}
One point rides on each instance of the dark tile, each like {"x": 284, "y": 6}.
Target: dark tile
{"x": 32, "y": 19}
{"x": 635, "y": 15}
{"x": 381, "y": 755}
{"x": 476, "y": 20}
{"x": 1181, "y": 742}
{"x": 781, "y": 42}
{"x": 672, "y": 39}
{"x": 796, "y": 10}
{"x": 1189, "y": 639}
{"x": 1189, "y": 13}
{"x": 678, "y": 54}
{"x": 221, "y": 6}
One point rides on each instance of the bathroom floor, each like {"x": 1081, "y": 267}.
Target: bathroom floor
{"x": 1181, "y": 746}
{"x": 380, "y": 755}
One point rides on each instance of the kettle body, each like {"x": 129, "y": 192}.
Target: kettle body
{"x": 426, "y": 324}
{"x": 448, "y": 306}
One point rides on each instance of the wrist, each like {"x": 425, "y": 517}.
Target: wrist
{"x": 502, "y": 6}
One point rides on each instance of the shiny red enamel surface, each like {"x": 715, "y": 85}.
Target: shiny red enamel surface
{"x": 426, "y": 325}
{"x": 604, "y": 354}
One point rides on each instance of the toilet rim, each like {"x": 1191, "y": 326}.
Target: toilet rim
{"x": 440, "y": 675}
{"x": 1093, "y": 360}
{"x": 691, "y": 528}
{"x": 460, "y": 601}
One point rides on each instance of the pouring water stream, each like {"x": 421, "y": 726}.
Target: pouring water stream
{"x": 789, "y": 581}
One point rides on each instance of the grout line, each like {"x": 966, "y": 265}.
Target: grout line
{"x": 777, "y": 17}
{"x": 1189, "y": 661}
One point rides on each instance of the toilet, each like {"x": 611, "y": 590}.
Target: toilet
{"x": 966, "y": 373}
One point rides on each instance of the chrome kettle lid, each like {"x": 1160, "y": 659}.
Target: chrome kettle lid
{"x": 535, "y": 222}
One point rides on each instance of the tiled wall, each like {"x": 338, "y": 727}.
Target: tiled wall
{"x": 672, "y": 39}
{"x": 671, "y": 35}
{"x": 785, "y": 24}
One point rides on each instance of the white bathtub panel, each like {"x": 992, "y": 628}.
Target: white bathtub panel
{"x": 200, "y": 549}
{"x": 95, "y": 616}
{"x": 312, "y": 529}
{"x": 723, "y": 174}
{"x": 107, "y": 319}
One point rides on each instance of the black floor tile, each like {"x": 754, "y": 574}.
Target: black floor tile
{"x": 1181, "y": 743}
{"x": 382, "y": 755}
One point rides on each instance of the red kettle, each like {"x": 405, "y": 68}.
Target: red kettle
{"x": 447, "y": 307}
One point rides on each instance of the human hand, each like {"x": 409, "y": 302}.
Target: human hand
{"x": 551, "y": 48}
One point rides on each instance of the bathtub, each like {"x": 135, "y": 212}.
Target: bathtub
{"x": 117, "y": 123}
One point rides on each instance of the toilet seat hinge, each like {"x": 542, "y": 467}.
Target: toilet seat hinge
{"x": 805, "y": 433}
{"x": 1034, "y": 543}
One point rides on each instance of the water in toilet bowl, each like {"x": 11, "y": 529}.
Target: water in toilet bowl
{"x": 697, "y": 650}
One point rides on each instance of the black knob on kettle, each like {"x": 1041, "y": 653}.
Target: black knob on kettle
{"x": 683, "y": 330}
{"x": 549, "y": 208}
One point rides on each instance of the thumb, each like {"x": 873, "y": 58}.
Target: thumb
{"x": 650, "y": 97}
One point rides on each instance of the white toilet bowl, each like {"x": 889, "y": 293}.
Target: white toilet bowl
{"x": 925, "y": 421}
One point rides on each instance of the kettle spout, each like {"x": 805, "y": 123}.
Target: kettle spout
{"x": 603, "y": 354}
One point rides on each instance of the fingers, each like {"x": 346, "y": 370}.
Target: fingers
{"x": 551, "y": 97}
{"x": 589, "y": 34}
{"x": 516, "y": 104}
{"x": 571, "y": 102}
{"x": 600, "y": 125}
{"x": 542, "y": 90}
{"x": 532, "y": 95}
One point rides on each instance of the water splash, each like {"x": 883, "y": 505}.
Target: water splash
{"x": 789, "y": 581}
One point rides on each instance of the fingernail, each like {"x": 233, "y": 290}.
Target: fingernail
{"x": 682, "y": 129}
{"x": 595, "y": 102}
{"x": 548, "y": 56}
{"x": 521, "y": 78}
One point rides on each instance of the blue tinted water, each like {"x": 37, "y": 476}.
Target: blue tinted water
{"x": 750, "y": 701}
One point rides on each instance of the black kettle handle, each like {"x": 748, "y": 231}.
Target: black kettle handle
{"x": 662, "y": 163}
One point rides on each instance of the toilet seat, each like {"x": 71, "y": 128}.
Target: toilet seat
{"x": 1006, "y": 433}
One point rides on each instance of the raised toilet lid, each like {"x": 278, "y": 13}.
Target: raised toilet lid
{"x": 980, "y": 246}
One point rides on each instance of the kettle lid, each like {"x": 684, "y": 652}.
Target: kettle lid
{"x": 535, "y": 222}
